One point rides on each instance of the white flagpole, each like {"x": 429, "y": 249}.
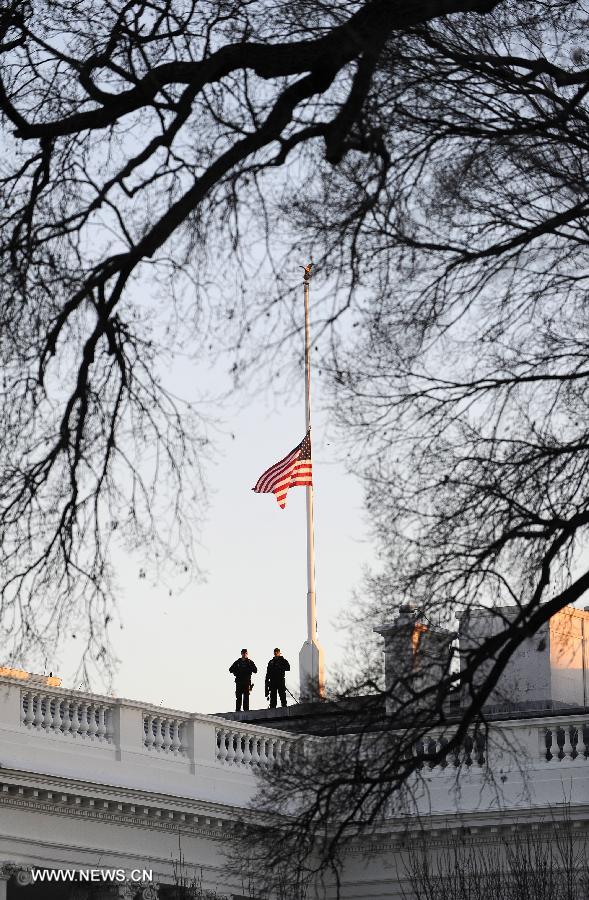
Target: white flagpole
{"x": 311, "y": 655}
{"x": 311, "y": 609}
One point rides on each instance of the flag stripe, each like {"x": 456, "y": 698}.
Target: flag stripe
{"x": 295, "y": 470}
{"x": 276, "y": 471}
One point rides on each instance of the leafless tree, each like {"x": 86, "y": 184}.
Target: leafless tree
{"x": 434, "y": 155}
{"x": 136, "y": 140}
{"x": 464, "y": 398}
{"x": 142, "y": 139}
{"x": 548, "y": 864}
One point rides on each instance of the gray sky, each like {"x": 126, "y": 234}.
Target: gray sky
{"x": 176, "y": 649}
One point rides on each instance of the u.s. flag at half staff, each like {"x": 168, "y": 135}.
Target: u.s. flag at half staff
{"x": 294, "y": 470}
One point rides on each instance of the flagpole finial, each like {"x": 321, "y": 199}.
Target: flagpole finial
{"x": 307, "y": 270}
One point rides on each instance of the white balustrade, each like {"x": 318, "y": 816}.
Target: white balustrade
{"x": 66, "y": 715}
{"x": 188, "y": 741}
{"x": 431, "y": 751}
{"x": 559, "y": 738}
{"x": 565, "y": 740}
{"x": 164, "y": 734}
{"x": 248, "y": 749}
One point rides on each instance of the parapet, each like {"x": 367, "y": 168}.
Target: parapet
{"x": 29, "y": 677}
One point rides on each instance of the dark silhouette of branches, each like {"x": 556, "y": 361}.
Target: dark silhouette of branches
{"x": 463, "y": 400}
{"x": 136, "y": 138}
{"x": 434, "y": 155}
{"x": 551, "y": 862}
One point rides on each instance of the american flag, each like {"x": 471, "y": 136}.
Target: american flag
{"x": 295, "y": 469}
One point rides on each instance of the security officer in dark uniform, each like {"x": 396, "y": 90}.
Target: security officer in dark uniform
{"x": 243, "y": 669}
{"x": 277, "y": 669}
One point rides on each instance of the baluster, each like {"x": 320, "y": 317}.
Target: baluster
{"x": 108, "y": 724}
{"x": 38, "y": 720}
{"x": 176, "y": 739}
{"x": 230, "y": 755}
{"x": 219, "y": 737}
{"x": 247, "y": 751}
{"x": 456, "y": 756}
{"x": 67, "y": 721}
{"x": 548, "y": 737}
{"x": 29, "y": 714}
{"x": 239, "y": 739}
{"x": 56, "y": 718}
{"x": 158, "y": 736}
{"x": 148, "y": 728}
{"x": 83, "y": 716}
{"x": 431, "y": 745}
{"x": 568, "y": 746}
{"x": 46, "y": 723}
{"x": 24, "y": 705}
{"x": 563, "y": 739}
{"x": 420, "y": 752}
{"x": 584, "y": 740}
{"x": 223, "y": 745}
{"x": 575, "y": 744}
{"x": 255, "y": 752}
{"x": 92, "y": 723}
{"x": 442, "y": 748}
{"x": 425, "y": 749}
{"x": 279, "y": 751}
{"x": 480, "y": 747}
{"x": 75, "y": 717}
{"x": 101, "y": 724}
{"x": 167, "y": 737}
{"x": 468, "y": 744}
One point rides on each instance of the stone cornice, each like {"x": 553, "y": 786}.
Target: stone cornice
{"x": 484, "y": 827}
{"x": 70, "y": 797}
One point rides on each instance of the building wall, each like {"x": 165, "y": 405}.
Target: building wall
{"x": 569, "y": 639}
{"x": 548, "y": 668}
{"x": 113, "y": 797}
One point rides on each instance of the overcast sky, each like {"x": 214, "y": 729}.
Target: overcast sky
{"x": 175, "y": 649}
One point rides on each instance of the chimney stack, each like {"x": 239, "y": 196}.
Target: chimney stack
{"x": 416, "y": 656}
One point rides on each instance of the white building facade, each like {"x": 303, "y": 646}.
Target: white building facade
{"x": 88, "y": 782}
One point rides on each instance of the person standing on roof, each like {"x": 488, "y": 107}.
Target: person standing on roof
{"x": 275, "y": 675}
{"x": 243, "y": 669}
